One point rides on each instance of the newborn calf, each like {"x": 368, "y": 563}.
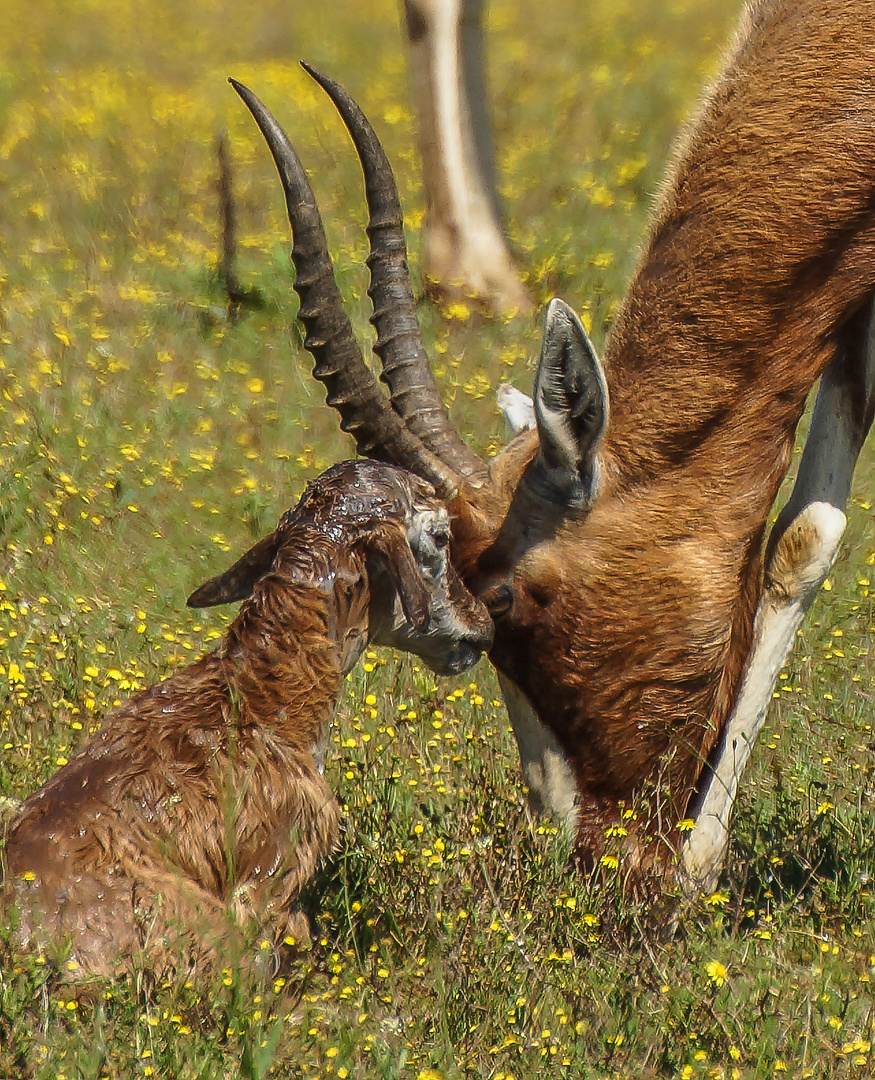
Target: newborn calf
{"x": 200, "y": 805}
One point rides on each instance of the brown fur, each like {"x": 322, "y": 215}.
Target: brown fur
{"x": 630, "y": 625}
{"x": 199, "y": 806}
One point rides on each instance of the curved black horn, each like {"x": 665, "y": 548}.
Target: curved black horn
{"x": 352, "y": 390}
{"x": 406, "y": 370}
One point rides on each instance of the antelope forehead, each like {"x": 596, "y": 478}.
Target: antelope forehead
{"x": 545, "y": 565}
{"x": 429, "y": 520}
{"x": 428, "y": 534}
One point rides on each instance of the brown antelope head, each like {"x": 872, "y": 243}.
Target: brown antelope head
{"x": 618, "y": 546}
{"x": 391, "y": 523}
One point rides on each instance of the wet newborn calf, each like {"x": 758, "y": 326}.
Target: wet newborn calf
{"x": 200, "y": 805}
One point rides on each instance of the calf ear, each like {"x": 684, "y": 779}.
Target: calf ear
{"x": 390, "y": 545}
{"x": 238, "y": 582}
{"x": 571, "y": 401}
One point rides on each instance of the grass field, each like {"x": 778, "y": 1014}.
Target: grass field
{"x": 145, "y": 440}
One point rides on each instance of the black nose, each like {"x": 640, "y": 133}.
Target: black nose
{"x": 463, "y": 657}
{"x": 498, "y": 601}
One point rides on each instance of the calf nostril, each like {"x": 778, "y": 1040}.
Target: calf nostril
{"x": 464, "y": 656}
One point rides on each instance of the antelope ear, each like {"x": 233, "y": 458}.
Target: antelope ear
{"x": 391, "y": 547}
{"x": 238, "y": 582}
{"x": 571, "y": 402}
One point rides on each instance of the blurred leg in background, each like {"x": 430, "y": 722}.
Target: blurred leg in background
{"x": 465, "y": 251}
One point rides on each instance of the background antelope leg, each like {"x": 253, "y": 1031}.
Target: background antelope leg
{"x": 464, "y": 247}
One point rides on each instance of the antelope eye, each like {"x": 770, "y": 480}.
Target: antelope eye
{"x": 498, "y": 601}
{"x": 441, "y": 540}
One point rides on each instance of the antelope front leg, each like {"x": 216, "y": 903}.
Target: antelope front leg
{"x": 546, "y": 772}
{"x": 799, "y": 563}
{"x": 465, "y": 250}
{"x": 802, "y": 547}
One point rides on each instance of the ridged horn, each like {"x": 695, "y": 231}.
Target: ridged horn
{"x": 352, "y": 390}
{"x": 406, "y": 369}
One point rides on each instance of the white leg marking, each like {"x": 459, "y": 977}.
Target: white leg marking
{"x": 546, "y": 772}
{"x": 809, "y": 529}
{"x": 806, "y": 552}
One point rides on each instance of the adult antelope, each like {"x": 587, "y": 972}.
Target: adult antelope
{"x": 622, "y": 556}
